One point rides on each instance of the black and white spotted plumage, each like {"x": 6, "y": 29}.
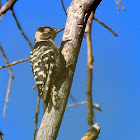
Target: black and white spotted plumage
{"x": 45, "y": 62}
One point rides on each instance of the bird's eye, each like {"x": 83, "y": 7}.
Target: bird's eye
{"x": 49, "y": 32}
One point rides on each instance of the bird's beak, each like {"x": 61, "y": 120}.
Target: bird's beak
{"x": 59, "y": 30}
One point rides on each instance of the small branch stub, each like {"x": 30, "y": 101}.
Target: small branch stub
{"x": 92, "y": 133}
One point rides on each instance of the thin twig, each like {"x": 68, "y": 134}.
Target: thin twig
{"x": 88, "y": 39}
{"x": 34, "y": 87}
{"x": 36, "y": 116}
{"x": 80, "y": 103}
{"x": 121, "y": 5}
{"x": 118, "y": 7}
{"x": 7, "y": 6}
{"x": 117, "y": 3}
{"x": 63, "y": 7}
{"x": 93, "y": 131}
{"x": 96, "y": 106}
{"x": 14, "y": 63}
{"x": 22, "y": 32}
{"x": 90, "y": 112}
{"x": 9, "y": 84}
{"x": 73, "y": 99}
{"x": 106, "y": 26}
{"x": 1, "y": 17}
{"x": 7, "y": 94}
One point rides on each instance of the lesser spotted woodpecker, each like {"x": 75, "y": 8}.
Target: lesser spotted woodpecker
{"x": 45, "y": 59}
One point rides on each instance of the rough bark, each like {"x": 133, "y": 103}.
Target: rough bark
{"x": 77, "y": 15}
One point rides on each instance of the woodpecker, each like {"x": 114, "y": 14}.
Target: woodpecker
{"x": 45, "y": 59}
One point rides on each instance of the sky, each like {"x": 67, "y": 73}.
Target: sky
{"x": 116, "y": 73}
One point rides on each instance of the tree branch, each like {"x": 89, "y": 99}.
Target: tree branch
{"x": 22, "y": 32}
{"x": 63, "y": 6}
{"x": 1, "y": 17}
{"x": 7, "y": 6}
{"x": 96, "y": 106}
{"x": 121, "y": 5}
{"x": 118, "y": 7}
{"x": 106, "y": 27}
{"x": 9, "y": 84}
{"x": 14, "y": 63}
{"x": 77, "y": 15}
{"x": 94, "y": 130}
{"x": 88, "y": 39}
{"x": 89, "y": 72}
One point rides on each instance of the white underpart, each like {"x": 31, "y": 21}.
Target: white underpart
{"x": 33, "y": 51}
{"x": 52, "y": 56}
{"x": 45, "y": 59}
{"x": 42, "y": 73}
{"x": 39, "y": 82}
{"x": 36, "y": 63}
{"x": 47, "y": 66}
{"x": 37, "y": 69}
{"x": 35, "y": 77}
{"x": 47, "y": 88}
{"x": 51, "y": 64}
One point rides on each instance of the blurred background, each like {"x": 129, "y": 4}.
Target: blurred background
{"x": 116, "y": 73}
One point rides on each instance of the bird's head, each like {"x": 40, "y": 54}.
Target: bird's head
{"x": 46, "y": 33}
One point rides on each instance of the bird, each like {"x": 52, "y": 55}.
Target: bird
{"x": 45, "y": 60}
